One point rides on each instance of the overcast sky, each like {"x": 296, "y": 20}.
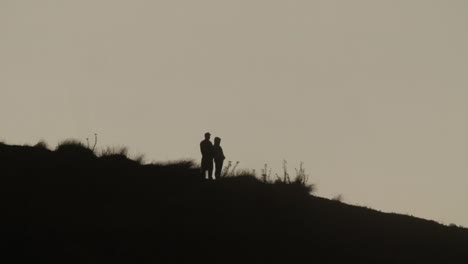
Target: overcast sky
{"x": 371, "y": 95}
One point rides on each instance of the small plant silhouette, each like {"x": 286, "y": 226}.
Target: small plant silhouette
{"x": 301, "y": 179}
{"x": 140, "y": 159}
{"x": 42, "y": 144}
{"x": 266, "y": 174}
{"x": 285, "y": 178}
{"x": 109, "y": 151}
{"x": 95, "y": 141}
{"x": 301, "y": 176}
{"x": 230, "y": 169}
{"x": 338, "y": 198}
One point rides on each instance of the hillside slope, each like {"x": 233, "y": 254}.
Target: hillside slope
{"x": 71, "y": 206}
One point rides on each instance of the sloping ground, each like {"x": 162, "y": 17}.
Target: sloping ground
{"x": 71, "y": 206}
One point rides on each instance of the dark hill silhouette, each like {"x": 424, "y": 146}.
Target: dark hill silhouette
{"x": 72, "y": 206}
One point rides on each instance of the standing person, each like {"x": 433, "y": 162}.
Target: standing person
{"x": 218, "y": 157}
{"x": 206, "y": 148}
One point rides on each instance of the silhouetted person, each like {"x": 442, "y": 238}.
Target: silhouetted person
{"x": 218, "y": 157}
{"x": 206, "y": 148}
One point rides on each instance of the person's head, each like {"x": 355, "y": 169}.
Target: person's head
{"x": 217, "y": 140}
{"x": 207, "y": 135}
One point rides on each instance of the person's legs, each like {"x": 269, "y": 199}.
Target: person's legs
{"x": 219, "y": 167}
{"x": 203, "y": 169}
{"x": 202, "y": 173}
{"x": 210, "y": 173}
{"x": 210, "y": 169}
{"x": 207, "y": 165}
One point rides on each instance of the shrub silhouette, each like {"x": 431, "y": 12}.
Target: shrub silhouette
{"x": 300, "y": 182}
{"x": 121, "y": 151}
{"x": 42, "y": 144}
{"x": 266, "y": 174}
{"x": 74, "y": 148}
{"x": 229, "y": 169}
{"x": 338, "y": 198}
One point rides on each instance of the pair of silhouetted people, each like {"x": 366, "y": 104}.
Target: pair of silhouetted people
{"x": 211, "y": 153}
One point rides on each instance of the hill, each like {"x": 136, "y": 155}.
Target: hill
{"x": 73, "y": 206}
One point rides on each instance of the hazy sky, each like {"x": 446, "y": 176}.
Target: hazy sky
{"x": 371, "y": 95}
